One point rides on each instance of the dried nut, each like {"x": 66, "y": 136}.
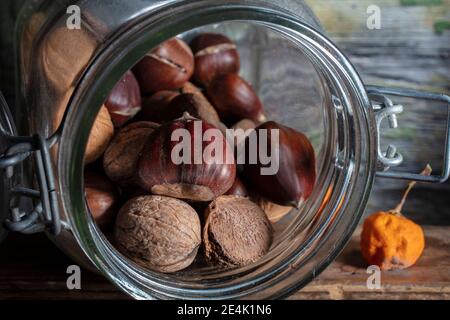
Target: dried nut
{"x": 238, "y": 189}
{"x": 389, "y": 239}
{"x": 102, "y": 198}
{"x": 196, "y": 105}
{"x": 65, "y": 55}
{"x": 295, "y": 178}
{"x": 200, "y": 175}
{"x": 190, "y": 88}
{"x": 215, "y": 54}
{"x": 122, "y": 155}
{"x": 154, "y": 106}
{"x": 124, "y": 101}
{"x": 159, "y": 233}
{"x": 101, "y": 134}
{"x": 167, "y": 67}
{"x": 236, "y": 232}
{"x": 234, "y": 99}
{"x": 273, "y": 211}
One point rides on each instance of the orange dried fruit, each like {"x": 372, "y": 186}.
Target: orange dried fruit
{"x": 390, "y": 240}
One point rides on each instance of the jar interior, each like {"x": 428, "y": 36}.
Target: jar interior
{"x": 304, "y": 83}
{"x": 294, "y": 94}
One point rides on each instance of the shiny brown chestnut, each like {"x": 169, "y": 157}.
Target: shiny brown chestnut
{"x": 167, "y": 67}
{"x": 235, "y": 99}
{"x": 199, "y": 175}
{"x": 237, "y": 189}
{"x": 154, "y": 106}
{"x": 102, "y": 198}
{"x": 189, "y": 87}
{"x": 195, "y": 104}
{"x": 294, "y": 180}
{"x": 241, "y": 130}
{"x": 215, "y": 54}
{"x": 124, "y": 101}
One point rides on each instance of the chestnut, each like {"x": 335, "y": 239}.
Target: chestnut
{"x": 154, "y": 106}
{"x": 202, "y": 171}
{"x": 101, "y": 134}
{"x": 295, "y": 172}
{"x": 237, "y": 189}
{"x": 122, "y": 155}
{"x": 195, "y": 104}
{"x": 102, "y": 198}
{"x": 215, "y": 54}
{"x": 189, "y": 87}
{"x": 124, "y": 101}
{"x": 244, "y": 124}
{"x": 241, "y": 130}
{"x": 167, "y": 67}
{"x": 234, "y": 99}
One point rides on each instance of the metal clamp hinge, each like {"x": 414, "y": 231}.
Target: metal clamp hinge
{"x": 385, "y": 108}
{"x": 44, "y": 215}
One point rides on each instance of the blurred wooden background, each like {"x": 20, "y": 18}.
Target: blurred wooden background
{"x": 411, "y": 50}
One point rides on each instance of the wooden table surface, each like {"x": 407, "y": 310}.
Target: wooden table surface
{"x": 31, "y": 267}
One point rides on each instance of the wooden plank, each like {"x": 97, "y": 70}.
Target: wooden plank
{"x": 31, "y": 267}
{"x": 346, "y": 278}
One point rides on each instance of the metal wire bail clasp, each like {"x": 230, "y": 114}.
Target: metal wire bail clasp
{"x": 385, "y": 108}
{"x": 44, "y": 213}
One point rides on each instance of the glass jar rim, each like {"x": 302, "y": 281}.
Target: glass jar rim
{"x": 106, "y": 70}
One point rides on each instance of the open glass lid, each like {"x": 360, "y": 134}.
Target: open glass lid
{"x": 6, "y": 128}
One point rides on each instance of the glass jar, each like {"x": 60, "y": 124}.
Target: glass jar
{"x": 303, "y": 79}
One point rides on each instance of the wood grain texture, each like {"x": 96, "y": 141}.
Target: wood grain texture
{"x": 346, "y": 277}
{"x": 405, "y": 52}
{"x": 33, "y": 268}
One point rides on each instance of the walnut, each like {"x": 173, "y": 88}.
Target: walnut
{"x": 159, "y": 233}
{"x": 101, "y": 134}
{"x": 122, "y": 155}
{"x": 236, "y": 232}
